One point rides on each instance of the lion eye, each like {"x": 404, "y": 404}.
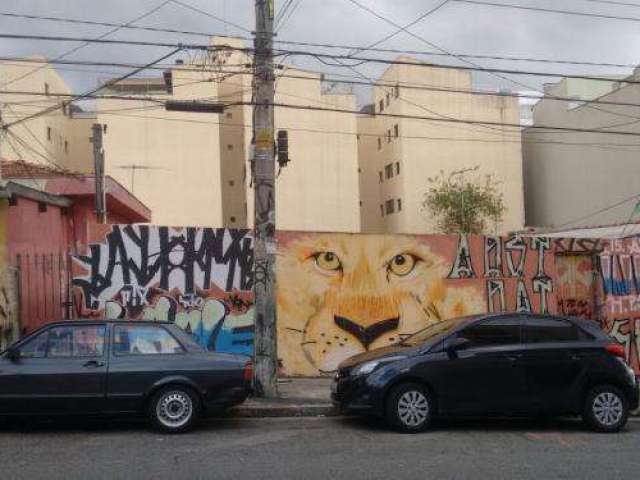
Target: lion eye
{"x": 402, "y": 264}
{"x": 328, "y": 261}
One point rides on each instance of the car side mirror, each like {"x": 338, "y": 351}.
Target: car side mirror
{"x": 456, "y": 344}
{"x": 13, "y": 354}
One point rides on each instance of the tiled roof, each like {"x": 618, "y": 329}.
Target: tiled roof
{"x": 21, "y": 169}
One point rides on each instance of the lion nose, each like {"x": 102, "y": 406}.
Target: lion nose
{"x": 367, "y": 335}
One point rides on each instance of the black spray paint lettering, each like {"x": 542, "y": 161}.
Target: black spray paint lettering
{"x": 129, "y": 259}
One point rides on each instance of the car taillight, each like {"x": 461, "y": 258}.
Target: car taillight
{"x": 248, "y": 372}
{"x": 615, "y": 349}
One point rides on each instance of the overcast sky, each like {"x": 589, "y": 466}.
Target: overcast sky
{"x": 457, "y": 27}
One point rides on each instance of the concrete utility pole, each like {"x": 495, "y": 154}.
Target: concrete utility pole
{"x": 98, "y": 165}
{"x": 266, "y": 357}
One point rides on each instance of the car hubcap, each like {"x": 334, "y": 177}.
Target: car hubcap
{"x": 413, "y": 408}
{"x": 174, "y": 409}
{"x": 607, "y": 408}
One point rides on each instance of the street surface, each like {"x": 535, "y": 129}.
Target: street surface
{"x": 315, "y": 448}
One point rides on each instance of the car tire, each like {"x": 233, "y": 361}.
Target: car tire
{"x": 409, "y": 408}
{"x": 174, "y": 409}
{"x": 606, "y": 409}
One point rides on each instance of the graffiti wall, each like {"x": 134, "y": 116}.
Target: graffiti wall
{"x": 199, "y": 278}
{"x": 619, "y": 265}
{"x": 343, "y": 294}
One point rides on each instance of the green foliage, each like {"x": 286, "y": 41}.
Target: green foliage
{"x": 464, "y": 202}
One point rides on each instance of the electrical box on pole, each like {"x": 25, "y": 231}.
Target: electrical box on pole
{"x": 98, "y": 164}
{"x": 283, "y": 148}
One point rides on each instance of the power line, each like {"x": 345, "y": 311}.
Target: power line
{"x": 104, "y": 35}
{"x": 210, "y": 15}
{"x": 550, "y": 10}
{"x": 598, "y": 212}
{"x": 612, "y": 2}
{"x": 91, "y": 92}
{"x": 286, "y": 19}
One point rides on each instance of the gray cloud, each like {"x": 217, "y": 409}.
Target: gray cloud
{"x": 456, "y": 27}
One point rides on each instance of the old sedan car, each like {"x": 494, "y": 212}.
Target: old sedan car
{"x": 116, "y": 367}
{"x": 499, "y": 364}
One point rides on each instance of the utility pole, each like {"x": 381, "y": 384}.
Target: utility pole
{"x": 98, "y": 166}
{"x": 266, "y": 357}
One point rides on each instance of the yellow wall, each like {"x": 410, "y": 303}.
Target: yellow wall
{"x": 9, "y": 322}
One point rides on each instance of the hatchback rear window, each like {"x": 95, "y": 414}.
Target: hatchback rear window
{"x": 550, "y": 330}
{"x": 500, "y": 331}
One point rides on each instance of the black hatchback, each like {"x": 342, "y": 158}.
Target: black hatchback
{"x": 493, "y": 365}
{"x": 116, "y": 367}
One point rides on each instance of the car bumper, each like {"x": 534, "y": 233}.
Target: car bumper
{"x": 353, "y": 395}
{"x": 228, "y": 398}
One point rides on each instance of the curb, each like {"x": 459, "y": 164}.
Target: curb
{"x": 275, "y": 410}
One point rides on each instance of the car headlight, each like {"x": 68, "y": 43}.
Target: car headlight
{"x": 367, "y": 367}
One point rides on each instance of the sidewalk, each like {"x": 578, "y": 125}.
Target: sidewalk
{"x": 299, "y": 397}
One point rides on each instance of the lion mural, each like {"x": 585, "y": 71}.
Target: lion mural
{"x": 341, "y": 294}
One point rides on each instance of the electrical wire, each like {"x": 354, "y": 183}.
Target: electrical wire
{"x": 104, "y": 35}
{"x": 210, "y": 15}
{"x": 598, "y": 212}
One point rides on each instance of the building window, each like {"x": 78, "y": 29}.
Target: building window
{"x": 42, "y": 207}
{"x": 389, "y": 207}
{"x": 49, "y": 133}
{"x": 388, "y": 136}
{"x": 359, "y": 170}
{"x": 360, "y": 202}
{"x": 231, "y": 183}
{"x": 399, "y": 205}
{"x": 382, "y": 210}
{"x": 396, "y": 131}
{"x": 388, "y": 171}
{"x": 46, "y": 89}
{"x": 229, "y": 147}
{"x": 380, "y": 175}
{"x": 66, "y": 146}
{"x": 381, "y": 105}
{"x": 358, "y": 137}
{"x": 233, "y": 219}
{"x": 396, "y": 91}
{"x": 397, "y": 168}
{"x": 388, "y": 99}
{"x": 379, "y": 143}
{"x": 229, "y": 115}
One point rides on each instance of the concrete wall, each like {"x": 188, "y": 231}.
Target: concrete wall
{"x": 424, "y": 148}
{"x": 384, "y": 287}
{"x": 573, "y": 175}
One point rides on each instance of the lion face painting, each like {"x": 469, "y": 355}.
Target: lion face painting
{"x": 341, "y": 294}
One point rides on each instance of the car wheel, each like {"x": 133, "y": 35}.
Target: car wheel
{"x": 174, "y": 409}
{"x": 409, "y": 407}
{"x": 606, "y": 409}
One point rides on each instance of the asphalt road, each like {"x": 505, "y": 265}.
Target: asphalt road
{"x": 316, "y": 448}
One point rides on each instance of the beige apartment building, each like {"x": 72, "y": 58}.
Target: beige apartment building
{"x": 195, "y": 168}
{"x": 397, "y": 155}
{"x": 575, "y": 179}
{"x": 59, "y": 139}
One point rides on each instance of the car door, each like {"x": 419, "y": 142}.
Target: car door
{"x": 141, "y": 355}
{"x": 486, "y": 374}
{"x": 556, "y": 359}
{"x": 59, "y": 370}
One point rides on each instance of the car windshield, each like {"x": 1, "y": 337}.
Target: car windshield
{"x": 434, "y": 330}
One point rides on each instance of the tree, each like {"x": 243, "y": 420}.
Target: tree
{"x": 464, "y": 202}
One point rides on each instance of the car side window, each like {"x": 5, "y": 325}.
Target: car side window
{"x": 490, "y": 333}
{"x": 76, "y": 341}
{"x": 144, "y": 340}
{"x": 551, "y": 330}
{"x": 36, "y": 347}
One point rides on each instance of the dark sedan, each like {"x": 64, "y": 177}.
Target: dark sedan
{"x": 116, "y": 367}
{"x": 501, "y": 364}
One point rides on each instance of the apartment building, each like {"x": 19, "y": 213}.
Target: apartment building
{"x": 59, "y": 139}
{"x": 575, "y": 179}
{"x": 398, "y": 153}
{"x": 195, "y": 168}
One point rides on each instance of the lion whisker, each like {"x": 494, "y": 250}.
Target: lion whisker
{"x": 295, "y": 330}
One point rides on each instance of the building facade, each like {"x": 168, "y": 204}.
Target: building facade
{"x": 398, "y": 154}
{"x": 575, "y": 179}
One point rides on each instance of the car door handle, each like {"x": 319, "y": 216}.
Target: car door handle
{"x": 93, "y": 364}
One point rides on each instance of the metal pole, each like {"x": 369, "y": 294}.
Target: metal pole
{"x": 98, "y": 165}
{"x": 266, "y": 361}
